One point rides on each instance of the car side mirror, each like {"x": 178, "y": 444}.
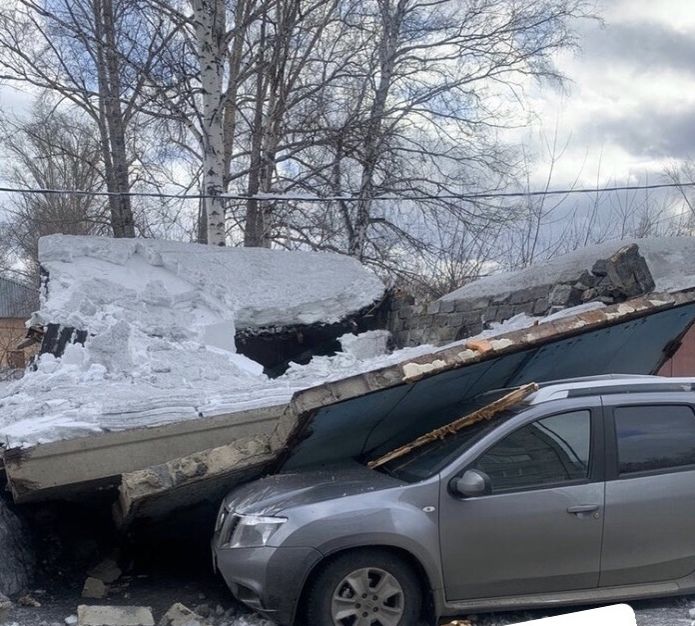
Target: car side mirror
{"x": 472, "y": 484}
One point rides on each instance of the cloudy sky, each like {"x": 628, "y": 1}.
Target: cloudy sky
{"x": 628, "y": 109}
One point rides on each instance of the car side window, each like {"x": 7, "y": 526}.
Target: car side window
{"x": 552, "y": 450}
{"x": 654, "y": 437}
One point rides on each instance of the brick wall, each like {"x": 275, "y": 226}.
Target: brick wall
{"x": 12, "y": 331}
{"x": 615, "y": 279}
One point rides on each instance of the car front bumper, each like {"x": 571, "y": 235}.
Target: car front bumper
{"x": 268, "y": 580}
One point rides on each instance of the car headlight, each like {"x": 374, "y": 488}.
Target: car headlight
{"x": 254, "y": 531}
{"x": 221, "y": 517}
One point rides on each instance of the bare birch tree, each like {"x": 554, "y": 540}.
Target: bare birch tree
{"x": 91, "y": 54}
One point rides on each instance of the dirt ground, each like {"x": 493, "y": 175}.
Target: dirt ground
{"x": 203, "y": 591}
{"x": 167, "y": 565}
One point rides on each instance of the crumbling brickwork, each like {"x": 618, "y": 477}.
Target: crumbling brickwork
{"x": 12, "y": 331}
{"x": 622, "y": 276}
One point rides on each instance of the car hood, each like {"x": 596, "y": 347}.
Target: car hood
{"x": 274, "y": 494}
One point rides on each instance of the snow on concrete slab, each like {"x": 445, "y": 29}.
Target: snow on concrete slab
{"x": 172, "y": 287}
{"x": 149, "y": 361}
{"x": 671, "y": 261}
{"x": 64, "y": 400}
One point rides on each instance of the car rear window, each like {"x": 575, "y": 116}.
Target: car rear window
{"x": 655, "y": 437}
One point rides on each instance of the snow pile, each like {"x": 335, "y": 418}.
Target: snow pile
{"x": 192, "y": 291}
{"x": 671, "y": 261}
{"x": 161, "y": 318}
{"x": 73, "y": 396}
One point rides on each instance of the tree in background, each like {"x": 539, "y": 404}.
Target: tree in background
{"x": 91, "y": 54}
{"x": 50, "y": 150}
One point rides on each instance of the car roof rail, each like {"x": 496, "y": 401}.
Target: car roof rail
{"x": 631, "y": 388}
{"x": 610, "y": 385}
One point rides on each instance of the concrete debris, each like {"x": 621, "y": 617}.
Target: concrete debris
{"x": 114, "y": 616}
{"x": 691, "y": 613}
{"x": 5, "y": 606}
{"x": 217, "y": 466}
{"x": 29, "y": 601}
{"x": 94, "y": 589}
{"x": 16, "y": 556}
{"x": 107, "y": 571}
{"x": 479, "y": 345}
{"x": 180, "y": 615}
{"x": 415, "y": 371}
{"x": 71, "y": 620}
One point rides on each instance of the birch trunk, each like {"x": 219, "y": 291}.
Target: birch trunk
{"x": 254, "y": 233}
{"x": 112, "y": 123}
{"x": 391, "y": 25}
{"x": 210, "y": 28}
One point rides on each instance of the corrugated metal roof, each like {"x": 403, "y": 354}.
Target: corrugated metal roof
{"x": 16, "y": 300}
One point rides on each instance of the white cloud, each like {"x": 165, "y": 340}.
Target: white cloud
{"x": 629, "y": 108}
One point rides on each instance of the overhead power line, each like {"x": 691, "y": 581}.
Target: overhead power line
{"x": 349, "y": 198}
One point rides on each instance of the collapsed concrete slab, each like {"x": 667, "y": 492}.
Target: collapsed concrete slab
{"x": 159, "y": 489}
{"x": 65, "y": 469}
{"x": 366, "y": 415}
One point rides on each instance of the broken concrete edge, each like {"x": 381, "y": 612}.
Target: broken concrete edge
{"x": 291, "y": 426}
{"x": 33, "y": 473}
{"x": 243, "y": 455}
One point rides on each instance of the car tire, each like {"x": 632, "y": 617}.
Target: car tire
{"x": 394, "y": 598}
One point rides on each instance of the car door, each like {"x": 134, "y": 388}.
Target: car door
{"x": 539, "y": 528}
{"x": 650, "y": 493}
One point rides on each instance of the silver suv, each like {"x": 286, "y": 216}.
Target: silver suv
{"x": 585, "y": 492}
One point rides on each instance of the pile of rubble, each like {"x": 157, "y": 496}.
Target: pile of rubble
{"x": 177, "y": 615}
{"x": 16, "y": 557}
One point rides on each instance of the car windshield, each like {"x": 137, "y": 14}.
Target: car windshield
{"x": 425, "y": 461}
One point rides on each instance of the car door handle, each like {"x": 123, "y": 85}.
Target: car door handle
{"x": 583, "y": 508}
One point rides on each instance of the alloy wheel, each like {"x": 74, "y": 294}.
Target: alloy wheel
{"x": 368, "y": 597}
